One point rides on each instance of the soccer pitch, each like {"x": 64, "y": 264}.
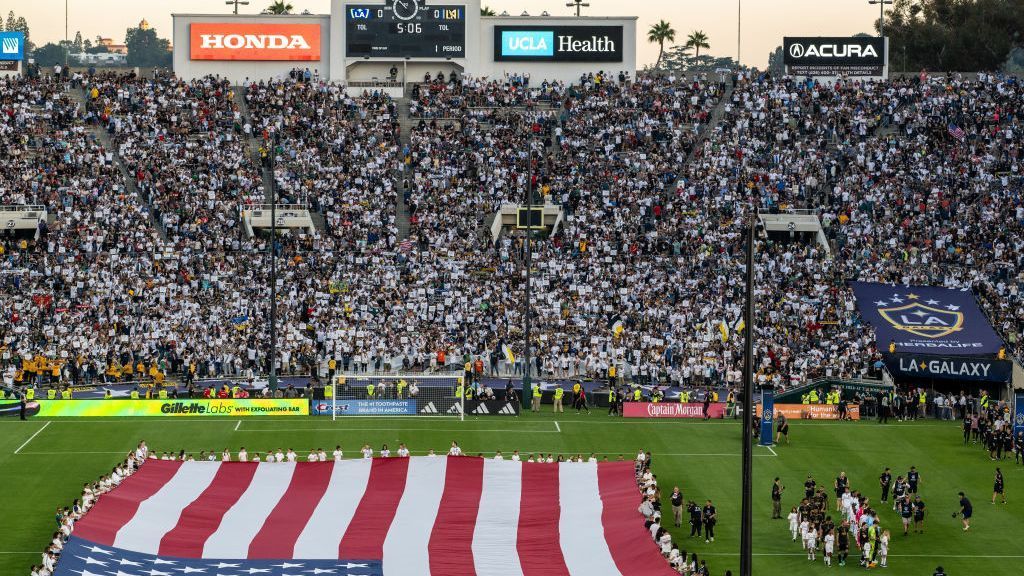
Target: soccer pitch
{"x": 43, "y": 465}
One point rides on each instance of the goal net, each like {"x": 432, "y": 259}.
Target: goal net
{"x": 446, "y": 395}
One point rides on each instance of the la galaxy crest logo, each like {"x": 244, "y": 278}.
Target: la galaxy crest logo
{"x": 928, "y": 319}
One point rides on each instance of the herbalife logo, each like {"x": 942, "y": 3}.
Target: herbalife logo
{"x": 11, "y": 46}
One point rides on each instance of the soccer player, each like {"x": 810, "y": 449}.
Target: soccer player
{"x": 812, "y": 542}
{"x": 885, "y": 481}
{"x": 805, "y": 534}
{"x": 809, "y": 485}
{"x": 997, "y": 486}
{"x": 843, "y": 542}
{"x": 777, "y": 489}
{"x": 919, "y": 510}
{"x": 781, "y": 428}
{"x": 840, "y": 486}
{"x": 966, "y": 511}
{"x": 883, "y": 550}
{"x": 830, "y": 540}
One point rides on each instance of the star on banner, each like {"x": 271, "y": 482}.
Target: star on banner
{"x": 351, "y": 565}
{"x": 190, "y": 570}
{"x": 286, "y": 565}
{"x": 912, "y": 296}
{"x": 99, "y": 550}
{"x": 931, "y": 302}
{"x": 127, "y": 562}
{"x": 896, "y": 298}
{"x": 881, "y": 303}
{"x": 91, "y": 560}
{"x": 224, "y": 565}
{"x": 953, "y": 308}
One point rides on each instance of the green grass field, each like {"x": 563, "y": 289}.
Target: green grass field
{"x": 44, "y": 464}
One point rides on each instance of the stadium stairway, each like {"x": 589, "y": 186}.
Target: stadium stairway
{"x": 403, "y": 175}
{"x": 104, "y": 138}
{"x": 716, "y": 118}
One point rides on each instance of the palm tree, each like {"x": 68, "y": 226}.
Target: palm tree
{"x": 280, "y": 7}
{"x": 697, "y": 40}
{"x": 660, "y": 33}
{"x": 487, "y": 11}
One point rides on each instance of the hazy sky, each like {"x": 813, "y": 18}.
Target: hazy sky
{"x": 765, "y": 22}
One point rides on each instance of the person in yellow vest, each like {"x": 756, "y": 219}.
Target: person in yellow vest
{"x": 460, "y": 390}
{"x": 51, "y": 393}
{"x": 236, "y": 391}
{"x": 140, "y": 368}
{"x": 135, "y": 393}
{"x": 684, "y": 396}
{"x": 535, "y": 401}
{"x": 30, "y": 393}
{"x": 805, "y": 398}
{"x": 370, "y": 389}
{"x": 984, "y": 400}
{"x": 557, "y": 406}
{"x": 107, "y": 394}
{"x": 65, "y": 394}
{"x": 400, "y": 388}
{"x": 812, "y": 397}
{"x": 922, "y": 403}
{"x": 637, "y": 394}
{"x": 161, "y": 392}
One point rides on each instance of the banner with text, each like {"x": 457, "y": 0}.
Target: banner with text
{"x": 812, "y": 411}
{"x": 251, "y": 41}
{"x": 1018, "y": 415}
{"x": 925, "y": 319}
{"x": 175, "y": 408}
{"x": 671, "y": 410}
{"x": 767, "y": 418}
{"x": 365, "y": 408}
{"x": 835, "y": 55}
{"x": 949, "y": 368}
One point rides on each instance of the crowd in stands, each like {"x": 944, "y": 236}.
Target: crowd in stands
{"x": 915, "y": 179}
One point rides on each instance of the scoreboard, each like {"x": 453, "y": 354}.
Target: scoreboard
{"x": 405, "y": 28}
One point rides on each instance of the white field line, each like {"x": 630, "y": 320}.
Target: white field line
{"x": 32, "y": 437}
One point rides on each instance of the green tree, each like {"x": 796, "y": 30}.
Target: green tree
{"x": 776, "y": 65}
{"x": 697, "y": 40}
{"x": 280, "y": 7}
{"x": 487, "y": 11}
{"x": 49, "y": 55}
{"x": 78, "y": 46}
{"x": 659, "y": 34}
{"x": 12, "y": 21}
{"x": 146, "y": 49}
{"x": 21, "y": 25}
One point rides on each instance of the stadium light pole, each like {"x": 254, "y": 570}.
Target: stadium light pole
{"x": 67, "y": 46}
{"x": 881, "y": 15}
{"x": 578, "y": 4}
{"x": 236, "y": 3}
{"x": 739, "y": 29}
{"x": 746, "y": 521}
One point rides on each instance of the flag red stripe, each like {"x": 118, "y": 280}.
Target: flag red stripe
{"x": 116, "y": 508}
{"x": 364, "y": 538}
{"x": 456, "y": 517}
{"x": 203, "y": 516}
{"x": 540, "y": 553}
{"x": 633, "y": 551}
{"x": 276, "y": 539}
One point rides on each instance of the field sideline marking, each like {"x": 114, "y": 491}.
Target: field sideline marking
{"x": 770, "y": 450}
{"x": 237, "y": 425}
{"x": 557, "y": 427}
{"x": 30, "y": 438}
{"x": 463, "y": 430}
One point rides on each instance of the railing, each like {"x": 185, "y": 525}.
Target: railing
{"x": 22, "y": 208}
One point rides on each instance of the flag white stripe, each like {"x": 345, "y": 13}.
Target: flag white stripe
{"x": 497, "y": 521}
{"x": 244, "y": 520}
{"x": 326, "y": 527}
{"x": 405, "y": 547}
{"x": 159, "y": 514}
{"x": 581, "y": 533}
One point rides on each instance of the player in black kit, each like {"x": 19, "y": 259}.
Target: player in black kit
{"x": 913, "y": 478}
{"x": 885, "y": 481}
{"x": 998, "y": 488}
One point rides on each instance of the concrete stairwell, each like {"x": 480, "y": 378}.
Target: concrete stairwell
{"x": 405, "y": 124}
{"x": 717, "y": 113}
{"x": 104, "y": 139}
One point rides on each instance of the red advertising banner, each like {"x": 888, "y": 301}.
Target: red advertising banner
{"x": 813, "y": 411}
{"x": 671, "y": 410}
{"x": 232, "y": 41}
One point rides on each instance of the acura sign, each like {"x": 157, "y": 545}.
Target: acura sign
{"x": 835, "y": 56}
{"x": 558, "y": 43}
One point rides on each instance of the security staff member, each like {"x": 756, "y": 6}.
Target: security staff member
{"x": 535, "y": 402}
{"x": 557, "y": 407}
{"x": 400, "y": 388}
{"x": 135, "y": 394}
{"x": 369, "y": 390}
{"x": 777, "y": 489}
{"x": 613, "y": 401}
{"x": 65, "y": 394}
{"x": 885, "y": 481}
{"x": 637, "y": 394}
{"x": 30, "y": 393}
{"x": 161, "y": 393}
{"x": 51, "y": 393}
{"x": 709, "y": 515}
{"x": 107, "y": 394}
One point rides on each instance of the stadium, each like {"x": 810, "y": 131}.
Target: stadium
{"x": 413, "y": 287}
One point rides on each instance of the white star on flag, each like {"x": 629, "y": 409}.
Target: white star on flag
{"x": 224, "y": 565}
{"x": 99, "y": 550}
{"x": 953, "y": 308}
{"x": 286, "y": 565}
{"x": 920, "y": 313}
{"x": 155, "y": 560}
{"x": 881, "y": 303}
{"x": 896, "y": 298}
{"x": 127, "y": 562}
{"x": 86, "y": 573}
{"x": 321, "y": 571}
{"x": 256, "y": 570}
{"x": 157, "y": 573}
{"x": 351, "y": 565}
{"x": 91, "y": 560}
{"x": 190, "y": 570}
{"x": 931, "y": 302}
{"x": 120, "y": 573}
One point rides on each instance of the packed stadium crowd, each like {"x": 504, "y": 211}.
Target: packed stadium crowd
{"x": 915, "y": 179}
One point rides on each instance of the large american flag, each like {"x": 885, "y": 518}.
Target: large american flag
{"x": 451, "y": 516}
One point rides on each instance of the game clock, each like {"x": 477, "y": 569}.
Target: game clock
{"x": 405, "y": 29}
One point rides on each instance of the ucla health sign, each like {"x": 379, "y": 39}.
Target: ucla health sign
{"x": 926, "y": 320}
{"x": 12, "y": 46}
{"x": 558, "y": 43}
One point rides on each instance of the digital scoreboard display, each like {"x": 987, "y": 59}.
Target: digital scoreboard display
{"x": 405, "y": 28}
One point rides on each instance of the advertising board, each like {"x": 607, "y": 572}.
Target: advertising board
{"x": 671, "y": 410}
{"x": 365, "y": 408}
{"x": 173, "y": 408}
{"x": 405, "y": 30}
{"x": 813, "y": 411}
{"x": 12, "y": 46}
{"x": 834, "y": 56}
{"x": 235, "y": 41}
{"x": 558, "y": 43}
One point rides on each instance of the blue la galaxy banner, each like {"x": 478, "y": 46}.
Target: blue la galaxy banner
{"x": 926, "y": 320}
{"x": 949, "y": 368}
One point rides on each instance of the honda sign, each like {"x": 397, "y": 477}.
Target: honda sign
{"x": 231, "y": 41}
{"x": 835, "y": 56}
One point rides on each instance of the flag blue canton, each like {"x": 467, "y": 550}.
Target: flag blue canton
{"x": 83, "y": 558}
